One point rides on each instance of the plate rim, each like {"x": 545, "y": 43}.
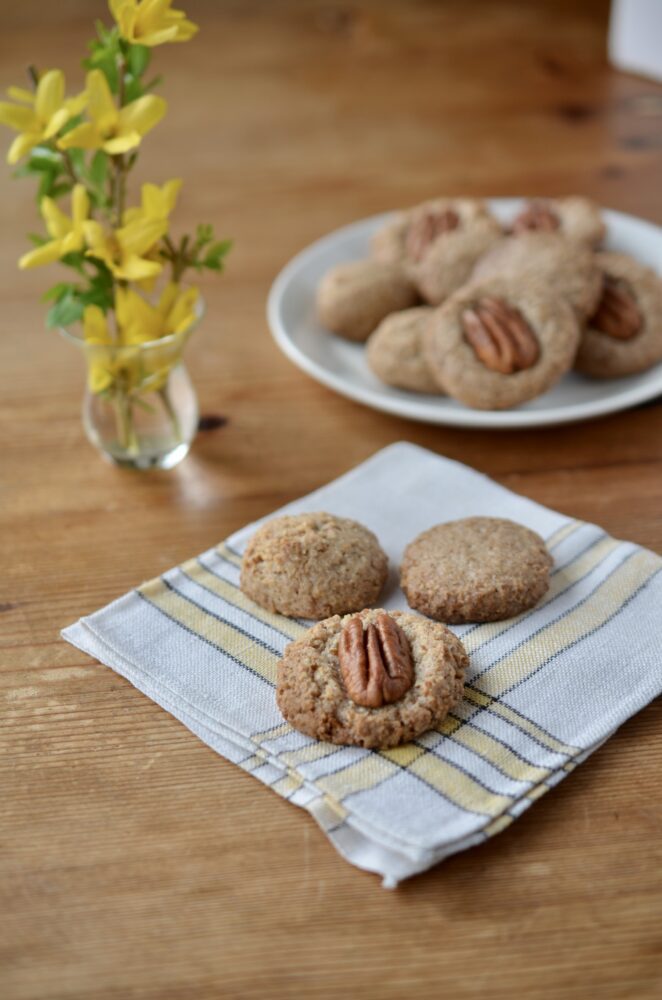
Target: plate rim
{"x": 419, "y": 409}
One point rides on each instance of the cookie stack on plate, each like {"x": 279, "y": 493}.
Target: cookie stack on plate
{"x": 453, "y": 302}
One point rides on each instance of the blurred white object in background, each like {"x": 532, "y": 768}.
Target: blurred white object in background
{"x": 635, "y": 36}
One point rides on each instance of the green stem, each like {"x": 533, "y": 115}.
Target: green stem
{"x": 172, "y": 413}
{"x": 124, "y": 417}
{"x": 73, "y": 176}
{"x": 119, "y": 164}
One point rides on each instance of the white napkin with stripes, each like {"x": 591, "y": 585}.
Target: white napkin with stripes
{"x": 543, "y": 689}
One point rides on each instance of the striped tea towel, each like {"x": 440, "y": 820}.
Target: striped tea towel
{"x": 543, "y": 689}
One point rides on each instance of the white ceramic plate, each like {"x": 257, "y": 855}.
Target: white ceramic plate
{"x": 341, "y": 365}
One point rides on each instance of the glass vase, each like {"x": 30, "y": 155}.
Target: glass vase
{"x": 140, "y": 408}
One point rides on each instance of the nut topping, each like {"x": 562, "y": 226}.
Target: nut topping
{"x": 537, "y": 215}
{"x": 426, "y": 227}
{"x": 376, "y": 663}
{"x": 617, "y": 314}
{"x": 500, "y": 336}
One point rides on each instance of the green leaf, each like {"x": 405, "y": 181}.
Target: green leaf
{"x": 138, "y": 58}
{"x": 103, "y": 56}
{"x": 46, "y": 184}
{"x": 214, "y": 256}
{"x": 37, "y": 240}
{"x": 43, "y": 158}
{"x": 75, "y": 261}
{"x": 59, "y": 190}
{"x": 133, "y": 88}
{"x": 57, "y": 292}
{"x": 105, "y": 34}
{"x": 204, "y": 234}
{"x": 98, "y": 170}
{"x": 77, "y": 157}
{"x": 65, "y": 312}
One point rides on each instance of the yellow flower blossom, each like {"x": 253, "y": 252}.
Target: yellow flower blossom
{"x": 124, "y": 250}
{"x": 38, "y": 116}
{"x": 151, "y": 22}
{"x": 140, "y": 322}
{"x": 156, "y": 205}
{"x": 119, "y": 360}
{"x": 178, "y": 308}
{"x": 67, "y": 234}
{"x": 156, "y": 202}
{"x": 113, "y": 129}
{"x": 101, "y": 358}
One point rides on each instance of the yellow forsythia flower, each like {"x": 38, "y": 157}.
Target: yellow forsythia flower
{"x": 156, "y": 202}
{"x": 101, "y": 362}
{"x": 38, "y": 116}
{"x": 114, "y": 360}
{"x": 113, "y": 129}
{"x": 139, "y": 321}
{"x": 151, "y": 22}
{"x": 124, "y": 250}
{"x": 67, "y": 234}
{"x": 177, "y": 307}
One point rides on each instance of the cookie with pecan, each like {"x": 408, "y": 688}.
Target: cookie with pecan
{"x": 313, "y": 566}
{"x": 624, "y": 334}
{"x": 395, "y": 351}
{"x": 495, "y": 344}
{"x": 438, "y": 243}
{"x": 374, "y": 679}
{"x": 353, "y": 298}
{"x": 477, "y": 569}
{"x": 549, "y": 260}
{"x": 576, "y": 218}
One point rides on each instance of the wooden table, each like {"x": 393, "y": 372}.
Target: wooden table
{"x": 135, "y": 862}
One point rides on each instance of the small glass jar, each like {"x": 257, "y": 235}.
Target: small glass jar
{"x": 140, "y": 408}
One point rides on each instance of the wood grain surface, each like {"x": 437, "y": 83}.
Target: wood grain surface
{"x": 135, "y": 863}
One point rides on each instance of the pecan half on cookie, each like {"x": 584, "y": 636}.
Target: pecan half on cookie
{"x": 577, "y": 219}
{"x": 500, "y": 336}
{"x": 376, "y": 662}
{"x": 498, "y": 343}
{"x": 438, "y": 243}
{"x": 624, "y": 334}
{"x": 375, "y": 679}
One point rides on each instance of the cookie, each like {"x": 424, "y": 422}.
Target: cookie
{"x": 624, "y": 335}
{"x": 478, "y": 569}
{"x": 353, "y": 298}
{"x": 438, "y": 243}
{"x": 375, "y": 679}
{"x": 395, "y": 351}
{"x": 549, "y": 260}
{"x": 313, "y": 566}
{"x": 578, "y": 219}
{"x": 498, "y": 343}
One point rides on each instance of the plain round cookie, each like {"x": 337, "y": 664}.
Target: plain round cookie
{"x": 456, "y": 366}
{"x": 550, "y": 260}
{"x": 578, "y": 219}
{"x": 313, "y": 566}
{"x": 312, "y": 697}
{"x": 353, "y": 298}
{"x": 394, "y": 351}
{"x": 478, "y": 569}
{"x": 603, "y": 356}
